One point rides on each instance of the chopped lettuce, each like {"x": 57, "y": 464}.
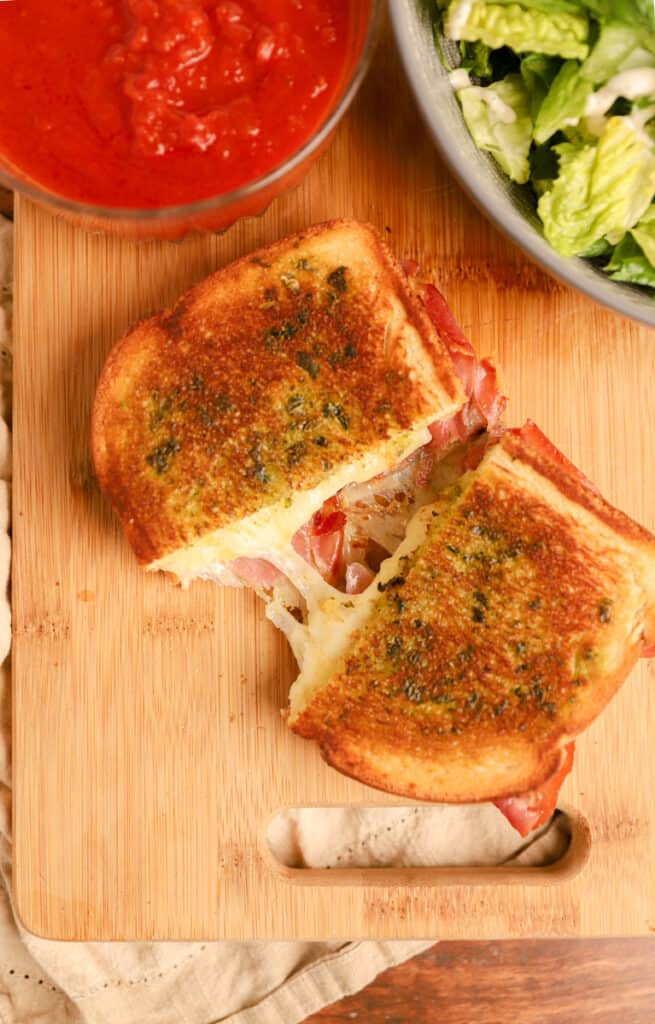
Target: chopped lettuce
{"x": 629, "y": 263}
{"x": 557, "y": 33}
{"x": 644, "y": 234}
{"x": 538, "y": 73}
{"x": 633, "y": 259}
{"x": 544, "y": 168}
{"x": 620, "y": 46}
{"x": 629, "y": 11}
{"x": 568, "y": 105}
{"x": 565, "y": 103}
{"x": 499, "y": 120}
{"x": 547, "y": 6}
{"x": 475, "y": 58}
{"x": 601, "y": 191}
{"x": 600, "y": 248}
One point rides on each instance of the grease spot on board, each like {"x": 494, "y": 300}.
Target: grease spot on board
{"x": 86, "y": 595}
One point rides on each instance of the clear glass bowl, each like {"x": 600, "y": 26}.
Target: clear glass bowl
{"x": 217, "y": 213}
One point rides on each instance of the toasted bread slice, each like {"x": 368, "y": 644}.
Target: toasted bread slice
{"x": 501, "y": 627}
{"x": 219, "y": 426}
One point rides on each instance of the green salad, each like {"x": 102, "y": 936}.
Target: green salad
{"x": 562, "y": 94}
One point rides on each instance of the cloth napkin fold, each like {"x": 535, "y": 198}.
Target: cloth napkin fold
{"x": 240, "y": 983}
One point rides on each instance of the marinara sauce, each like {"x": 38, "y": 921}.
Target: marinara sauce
{"x": 150, "y": 103}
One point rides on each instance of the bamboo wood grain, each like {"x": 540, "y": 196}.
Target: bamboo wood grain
{"x": 149, "y": 750}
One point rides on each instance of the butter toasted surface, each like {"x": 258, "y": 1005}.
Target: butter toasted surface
{"x": 497, "y": 633}
{"x": 262, "y": 382}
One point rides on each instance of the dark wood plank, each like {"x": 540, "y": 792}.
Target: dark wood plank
{"x": 609, "y": 981}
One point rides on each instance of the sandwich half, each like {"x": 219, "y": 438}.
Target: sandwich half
{"x": 461, "y": 601}
{"x": 221, "y": 426}
{"x": 225, "y": 429}
{"x": 504, "y": 622}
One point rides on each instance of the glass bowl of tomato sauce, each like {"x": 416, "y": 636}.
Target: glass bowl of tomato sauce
{"x": 154, "y": 118}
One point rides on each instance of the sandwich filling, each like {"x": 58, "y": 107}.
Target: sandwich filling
{"x": 311, "y": 422}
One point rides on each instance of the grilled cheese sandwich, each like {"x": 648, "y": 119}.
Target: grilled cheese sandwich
{"x": 460, "y": 600}
{"x": 221, "y": 425}
{"x": 502, "y": 625}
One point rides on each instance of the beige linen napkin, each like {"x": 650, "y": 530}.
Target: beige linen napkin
{"x": 199, "y": 983}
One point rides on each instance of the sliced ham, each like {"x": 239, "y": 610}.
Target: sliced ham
{"x": 320, "y": 541}
{"x": 486, "y": 404}
{"x": 358, "y": 577}
{"x": 460, "y": 349}
{"x": 302, "y": 542}
{"x": 447, "y": 432}
{"x": 257, "y": 572}
{"x": 529, "y": 811}
{"x": 487, "y": 399}
{"x": 326, "y": 554}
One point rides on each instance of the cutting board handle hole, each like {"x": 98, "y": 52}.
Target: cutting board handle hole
{"x": 421, "y": 844}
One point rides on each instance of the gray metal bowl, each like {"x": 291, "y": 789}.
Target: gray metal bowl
{"x": 508, "y": 205}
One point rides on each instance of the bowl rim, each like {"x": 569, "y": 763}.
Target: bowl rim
{"x": 181, "y": 211}
{"x": 572, "y": 271}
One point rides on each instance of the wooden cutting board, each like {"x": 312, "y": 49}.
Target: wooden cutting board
{"x": 149, "y": 752}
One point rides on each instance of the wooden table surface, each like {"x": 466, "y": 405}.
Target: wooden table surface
{"x": 606, "y": 981}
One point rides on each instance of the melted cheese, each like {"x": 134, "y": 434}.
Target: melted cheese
{"x": 268, "y": 532}
{"x": 321, "y": 645}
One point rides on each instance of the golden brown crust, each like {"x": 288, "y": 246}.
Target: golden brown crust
{"x": 262, "y": 379}
{"x": 532, "y": 447}
{"x": 412, "y": 777}
{"x": 496, "y": 642}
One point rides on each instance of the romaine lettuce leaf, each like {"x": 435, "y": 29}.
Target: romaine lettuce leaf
{"x": 644, "y": 234}
{"x": 620, "y": 46}
{"x": 600, "y": 248}
{"x": 559, "y": 34}
{"x": 629, "y": 263}
{"x": 475, "y": 58}
{"x": 548, "y": 6}
{"x": 601, "y": 190}
{"x": 538, "y": 73}
{"x": 498, "y": 118}
{"x": 629, "y": 11}
{"x": 544, "y": 168}
{"x": 564, "y": 104}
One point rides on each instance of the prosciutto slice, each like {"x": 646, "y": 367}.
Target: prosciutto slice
{"x": 529, "y": 811}
{"x": 257, "y": 572}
